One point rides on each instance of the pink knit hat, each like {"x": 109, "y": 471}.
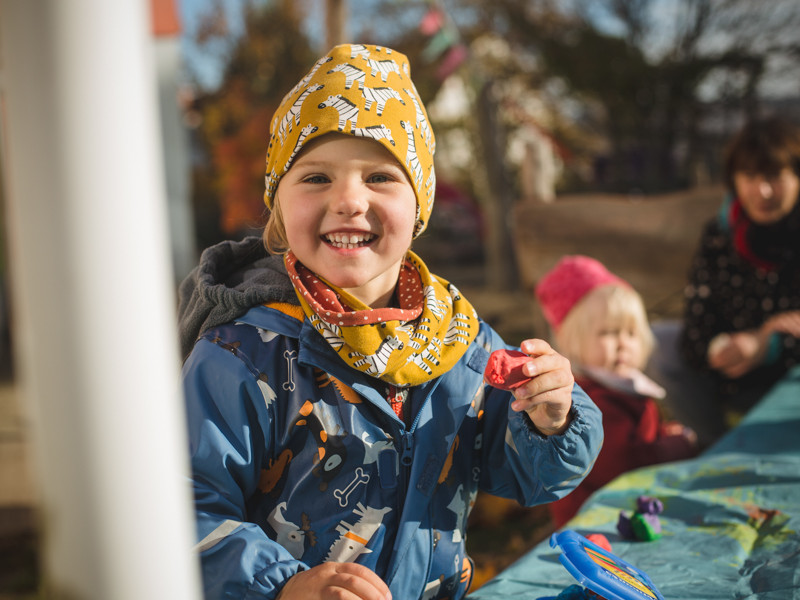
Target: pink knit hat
{"x": 570, "y": 280}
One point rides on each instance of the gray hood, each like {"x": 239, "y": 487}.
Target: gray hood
{"x": 232, "y": 277}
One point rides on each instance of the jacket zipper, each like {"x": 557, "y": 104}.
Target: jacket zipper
{"x": 406, "y": 457}
{"x": 406, "y": 460}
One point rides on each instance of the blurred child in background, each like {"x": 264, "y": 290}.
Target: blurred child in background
{"x": 599, "y": 323}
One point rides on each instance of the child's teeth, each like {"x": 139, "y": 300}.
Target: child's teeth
{"x": 345, "y": 240}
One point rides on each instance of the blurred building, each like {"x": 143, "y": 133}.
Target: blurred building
{"x": 166, "y": 29}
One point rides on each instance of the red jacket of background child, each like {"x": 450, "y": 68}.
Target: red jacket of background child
{"x": 635, "y": 436}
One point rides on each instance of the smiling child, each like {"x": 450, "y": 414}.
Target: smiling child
{"x": 339, "y": 424}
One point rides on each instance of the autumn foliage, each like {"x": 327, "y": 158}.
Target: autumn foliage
{"x": 263, "y": 64}
{"x": 238, "y": 161}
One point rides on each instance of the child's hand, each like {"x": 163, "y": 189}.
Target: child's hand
{"x": 348, "y": 581}
{"x": 547, "y": 397}
{"x": 671, "y": 428}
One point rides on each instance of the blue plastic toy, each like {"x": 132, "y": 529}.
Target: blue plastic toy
{"x": 600, "y": 571}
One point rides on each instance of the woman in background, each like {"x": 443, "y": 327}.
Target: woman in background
{"x": 742, "y": 316}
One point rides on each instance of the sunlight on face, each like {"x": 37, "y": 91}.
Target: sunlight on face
{"x": 611, "y": 338}
{"x": 615, "y": 345}
{"x": 349, "y": 211}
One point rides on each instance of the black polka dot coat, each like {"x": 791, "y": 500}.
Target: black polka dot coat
{"x": 728, "y": 293}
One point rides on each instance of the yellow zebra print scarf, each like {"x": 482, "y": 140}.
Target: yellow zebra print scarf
{"x": 415, "y": 342}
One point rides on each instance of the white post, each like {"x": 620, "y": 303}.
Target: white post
{"x": 93, "y": 299}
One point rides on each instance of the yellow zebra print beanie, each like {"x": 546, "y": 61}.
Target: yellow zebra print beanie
{"x": 359, "y": 90}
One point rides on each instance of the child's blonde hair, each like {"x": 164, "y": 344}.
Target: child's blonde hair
{"x": 274, "y": 235}
{"x": 615, "y": 305}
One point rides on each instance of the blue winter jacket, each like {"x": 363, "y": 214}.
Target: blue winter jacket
{"x": 298, "y": 459}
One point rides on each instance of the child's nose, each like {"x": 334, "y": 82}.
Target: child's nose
{"x": 765, "y": 188}
{"x": 349, "y": 198}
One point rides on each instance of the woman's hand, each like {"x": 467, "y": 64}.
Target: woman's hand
{"x": 547, "y": 397}
{"x": 735, "y": 354}
{"x": 344, "y": 581}
{"x": 785, "y": 322}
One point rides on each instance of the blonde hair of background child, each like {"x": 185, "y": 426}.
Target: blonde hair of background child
{"x": 616, "y": 306}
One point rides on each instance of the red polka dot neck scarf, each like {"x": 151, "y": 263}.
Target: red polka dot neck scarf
{"x": 419, "y": 340}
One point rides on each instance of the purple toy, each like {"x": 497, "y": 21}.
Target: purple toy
{"x": 644, "y": 525}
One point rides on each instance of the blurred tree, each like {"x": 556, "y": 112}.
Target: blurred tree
{"x": 233, "y": 121}
{"x": 658, "y": 69}
{"x": 432, "y": 50}
{"x": 638, "y": 86}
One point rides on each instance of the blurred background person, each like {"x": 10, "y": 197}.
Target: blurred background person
{"x": 742, "y": 317}
{"x": 599, "y": 323}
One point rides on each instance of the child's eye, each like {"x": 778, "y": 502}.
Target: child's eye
{"x": 380, "y": 178}
{"x": 316, "y": 179}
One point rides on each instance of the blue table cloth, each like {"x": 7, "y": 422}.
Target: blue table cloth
{"x": 730, "y": 522}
